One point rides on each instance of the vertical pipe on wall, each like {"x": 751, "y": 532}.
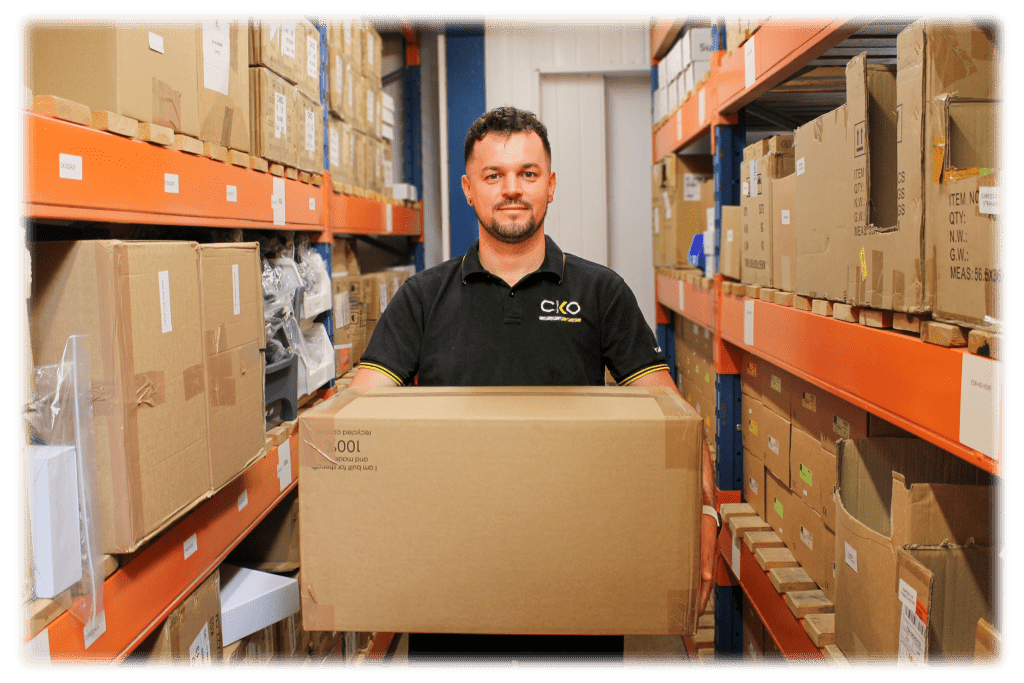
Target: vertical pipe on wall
{"x": 442, "y": 105}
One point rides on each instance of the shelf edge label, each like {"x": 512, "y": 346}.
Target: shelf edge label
{"x": 748, "y": 322}
{"x": 191, "y": 545}
{"x": 243, "y": 500}
{"x": 96, "y": 627}
{"x": 388, "y": 218}
{"x": 171, "y": 183}
{"x": 284, "y": 463}
{"x": 232, "y": 193}
{"x": 70, "y": 166}
{"x": 749, "y": 71}
{"x": 981, "y": 403}
{"x": 682, "y": 296}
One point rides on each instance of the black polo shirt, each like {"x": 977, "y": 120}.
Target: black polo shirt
{"x": 458, "y": 325}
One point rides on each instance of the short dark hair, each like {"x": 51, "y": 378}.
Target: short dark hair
{"x": 505, "y": 120}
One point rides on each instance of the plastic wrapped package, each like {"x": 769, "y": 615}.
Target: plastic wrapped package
{"x": 63, "y": 499}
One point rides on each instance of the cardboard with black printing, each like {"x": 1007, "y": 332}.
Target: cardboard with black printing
{"x": 233, "y": 336}
{"x": 191, "y": 633}
{"x": 823, "y": 240}
{"x": 558, "y": 510}
{"x": 273, "y": 116}
{"x": 139, "y": 304}
{"x": 898, "y": 494}
{"x": 906, "y": 244}
{"x": 763, "y": 163}
{"x": 144, "y": 72}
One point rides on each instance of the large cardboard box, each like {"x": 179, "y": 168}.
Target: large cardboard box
{"x": 681, "y": 183}
{"x": 139, "y": 304}
{"x": 337, "y": 92}
{"x": 730, "y": 256}
{"x": 192, "y": 632}
{"x": 309, "y": 67}
{"x": 784, "y": 227}
{"x": 763, "y": 163}
{"x": 309, "y": 142}
{"x": 813, "y": 545}
{"x": 824, "y": 239}
{"x": 780, "y": 510}
{"x": 894, "y": 494}
{"x": 753, "y": 483}
{"x": 751, "y": 425}
{"x": 291, "y": 49}
{"x": 373, "y": 51}
{"x": 222, "y": 50}
{"x": 233, "y": 334}
{"x": 897, "y": 262}
{"x": 147, "y": 73}
{"x": 492, "y": 523}
{"x": 273, "y": 116}
{"x": 753, "y": 632}
{"x": 805, "y": 464}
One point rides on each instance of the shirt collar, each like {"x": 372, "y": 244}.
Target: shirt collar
{"x": 554, "y": 261}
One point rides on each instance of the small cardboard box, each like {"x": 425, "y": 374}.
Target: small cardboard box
{"x": 895, "y": 493}
{"x": 805, "y": 468}
{"x": 752, "y": 426}
{"x": 779, "y": 509}
{"x": 222, "y": 50}
{"x": 813, "y": 544}
{"x": 291, "y": 49}
{"x": 753, "y": 483}
{"x": 678, "y": 182}
{"x": 730, "y": 257}
{"x": 469, "y": 536}
{"x": 824, "y": 239}
{"x": 139, "y": 304}
{"x": 309, "y": 141}
{"x": 273, "y": 116}
{"x": 338, "y": 84}
{"x": 192, "y": 632}
{"x": 753, "y": 633}
{"x": 144, "y": 72}
{"x": 784, "y": 227}
{"x": 233, "y": 334}
{"x": 776, "y": 444}
{"x": 763, "y": 163}
{"x": 373, "y": 51}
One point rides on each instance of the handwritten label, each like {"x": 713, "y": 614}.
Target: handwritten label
{"x": 199, "y": 650}
{"x": 851, "y": 556}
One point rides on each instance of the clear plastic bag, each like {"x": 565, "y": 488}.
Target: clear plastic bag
{"x": 61, "y": 415}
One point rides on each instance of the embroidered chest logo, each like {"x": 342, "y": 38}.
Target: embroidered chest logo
{"x": 566, "y": 309}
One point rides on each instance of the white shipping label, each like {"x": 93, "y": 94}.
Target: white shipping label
{"x": 749, "y": 74}
{"x": 70, "y": 166}
{"x": 156, "y": 42}
{"x": 284, "y": 463}
{"x": 348, "y": 31}
{"x": 243, "y": 500}
{"x": 164, "y": 283}
{"x": 806, "y": 537}
{"x": 667, "y": 204}
{"x": 231, "y": 193}
{"x": 343, "y": 306}
{"x": 746, "y": 188}
{"x": 773, "y": 444}
{"x": 288, "y": 41}
{"x": 691, "y": 187}
{"x": 785, "y": 216}
{"x": 753, "y": 177}
{"x": 736, "y": 555}
{"x": 657, "y": 221}
{"x": 338, "y": 70}
{"x": 312, "y": 203}
{"x": 981, "y": 404}
{"x": 349, "y": 89}
{"x": 372, "y": 48}
{"x": 701, "y": 109}
{"x": 753, "y": 484}
{"x": 171, "y": 183}
{"x": 369, "y": 107}
{"x": 96, "y": 627}
{"x": 728, "y": 235}
{"x": 988, "y": 200}
{"x": 334, "y": 147}
{"x": 277, "y": 201}
{"x": 679, "y": 125}
{"x": 682, "y": 296}
{"x": 389, "y": 219}
{"x": 217, "y": 58}
{"x": 710, "y": 220}
{"x": 800, "y": 166}
{"x": 748, "y": 322}
{"x": 236, "y": 290}
{"x": 310, "y": 131}
{"x": 913, "y": 629}
{"x": 851, "y": 556}
{"x": 199, "y": 650}
{"x": 313, "y": 57}
{"x": 190, "y": 546}
{"x": 383, "y": 297}
{"x": 280, "y": 115}
{"x": 908, "y": 594}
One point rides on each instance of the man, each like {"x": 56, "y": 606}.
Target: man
{"x": 516, "y": 311}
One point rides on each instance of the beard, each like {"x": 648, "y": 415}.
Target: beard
{"x": 515, "y": 232}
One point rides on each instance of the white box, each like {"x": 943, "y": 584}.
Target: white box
{"x": 313, "y": 375}
{"x": 405, "y": 191}
{"x": 696, "y": 46}
{"x": 387, "y": 101}
{"x": 53, "y": 514}
{"x": 252, "y": 600}
{"x": 675, "y": 61}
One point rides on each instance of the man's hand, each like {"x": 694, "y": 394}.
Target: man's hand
{"x": 708, "y": 536}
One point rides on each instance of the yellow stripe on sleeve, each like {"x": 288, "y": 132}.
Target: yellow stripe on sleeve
{"x": 642, "y": 373}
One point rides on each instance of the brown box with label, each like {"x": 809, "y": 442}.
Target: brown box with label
{"x": 824, "y": 238}
{"x": 139, "y": 304}
{"x": 893, "y": 494}
{"x": 784, "y": 227}
{"x": 191, "y": 633}
{"x": 273, "y": 116}
{"x": 763, "y": 163}
{"x": 469, "y": 536}
{"x": 233, "y": 334}
{"x": 730, "y": 258}
{"x": 779, "y": 510}
{"x": 678, "y": 183}
{"x": 222, "y": 50}
{"x": 805, "y": 468}
{"x": 147, "y": 72}
{"x": 336, "y": 139}
{"x": 752, "y": 426}
{"x": 373, "y": 51}
{"x": 753, "y": 483}
{"x": 754, "y": 635}
{"x": 691, "y": 213}
{"x": 309, "y": 140}
{"x": 291, "y": 49}
{"x": 813, "y": 544}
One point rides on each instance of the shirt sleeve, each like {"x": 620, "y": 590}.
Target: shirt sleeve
{"x": 628, "y": 346}
{"x": 394, "y": 347}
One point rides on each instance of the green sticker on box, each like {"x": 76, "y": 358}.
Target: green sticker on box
{"x": 805, "y": 474}
{"x": 707, "y": 378}
{"x": 778, "y": 508}
{"x": 753, "y": 427}
{"x": 776, "y": 384}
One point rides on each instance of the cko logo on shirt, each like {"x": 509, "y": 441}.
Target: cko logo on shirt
{"x": 566, "y": 308}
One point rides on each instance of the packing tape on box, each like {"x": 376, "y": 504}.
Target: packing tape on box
{"x": 103, "y": 399}
{"x": 193, "y": 378}
{"x": 149, "y": 388}
{"x": 675, "y": 430}
{"x": 877, "y": 284}
{"x": 221, "y": 379}
{"x": 216, "y": 339}
{"x": 166, "y": 105}
{"x": 680, "y": 619}
{"x": 898, "y": 285}
{"x": 315, "y": 617}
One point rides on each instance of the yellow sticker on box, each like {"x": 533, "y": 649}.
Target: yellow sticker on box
{"x": 752, "y": 426}
{"x": 778, "y": 508}
{"x": 777, "y": 383}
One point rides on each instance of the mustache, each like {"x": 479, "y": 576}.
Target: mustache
{"x": 517, "y": 203}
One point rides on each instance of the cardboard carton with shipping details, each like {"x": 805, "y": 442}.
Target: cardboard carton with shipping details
{"x": 751, "y": 426}
{"x": 336, "y": 139}
{"x": 343, "y": 326}
{"x": 285, "y": 48}
{"x": 784, "y": 227}
{"x": 895, "y": 494}
{"x": 139, "y": 304}
{"x": 273, "y": 117}
{"x": 337, "y": 94}
{"x": 805, "y": 464}
{"x": 222, "y": 50}
{"x": 373, "y": 50}
{"x": 896, "y": 262}
{"x": 730, "y": 257}
{"x": 753, "y": 483}
{"x": 823, "y": 240}
{"x": 309, "y": 140}
{"x": 813, "y": 545}
{"x": 147, "y": 73}
{"x": 779, "y": 508}
{"x": 309, "y": 66}
{"x": 233, "y": 334}
{"x": 191, "y": 633}
{"x": 763, "y": 163}
{"x": 680, "y": 182}
{"x": 493, "y": 503}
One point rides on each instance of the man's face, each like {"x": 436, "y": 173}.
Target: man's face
{"x": 509, "y": 184}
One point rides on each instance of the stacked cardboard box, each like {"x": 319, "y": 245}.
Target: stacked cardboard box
{"x": 695, "y": 369}
{"x": 682, "y": 191}
{"x": 345, "y": 267}
{"x": 191, "y": 633}
{"x": 764, "y": 163}
{"x": 730, "y": 257}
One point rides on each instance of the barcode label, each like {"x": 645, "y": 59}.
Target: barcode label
{"x": 913, "y": 636}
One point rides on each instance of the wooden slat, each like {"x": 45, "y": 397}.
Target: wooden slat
{"x": 802, "y": 603}
{"x": 186, "y": 143}
{"x": 782, "y": 298}
{"x": 59, "y": 108}
{"x": 762, "y": 539}
{"x": 801, "y": 303}
{"x": 115, "y": 123}
{"x": 821, "y": 307}
{"x": 987, "y": 641}
{"x": 770, "y": 558}
{"x": 821, "y": 628}
{"x": 875, "y": 318}
{"x": 845, "y": 312}
{"x": 237, "y": 158}
{"x": 787, "y": 579}
{"x": 291, "y": 173}
{"x": 730, "y": 510}
{"x": 907, "y": 322}
{"x": 834, "y": 655}
{"x": 984, "y": 343}
{"x": 766, "y": 294}
{"x": 259, "y": 164}
{"x": 741, "y": 525}
{"x": 754, "y": 291}
{"x": 158, "y": 135}
{"x": 942, "y": 334}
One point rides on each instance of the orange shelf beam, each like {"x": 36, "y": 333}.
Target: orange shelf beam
{"x": 663, "y": 34}
{"x": 699, "y": 303}
{"x": 781, "y": 48}
{"x": 76, "y": 173}
{"x": 141, "y": 594}
{"x": 689, "y": 123}
{"x": 910, "y": 383}
{"x": 352, "y": 215}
